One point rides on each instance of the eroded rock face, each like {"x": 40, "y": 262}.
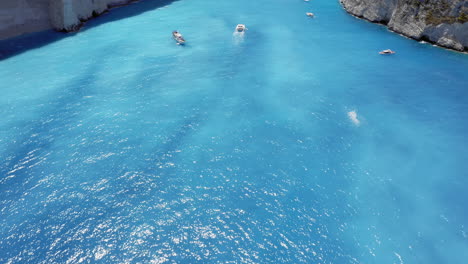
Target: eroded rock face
{"x": 23, "y": 16}
{"x": 443, "y": 22}
{"x": 373, "y": 10}
{"x": 451, "y": 36}
{"x": 67, "y": 15}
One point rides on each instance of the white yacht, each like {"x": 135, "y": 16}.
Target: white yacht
{"x": 387, "y": 51}
{"x": 241, "y": 28}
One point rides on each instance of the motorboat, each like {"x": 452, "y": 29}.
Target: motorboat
{"x": 241, "y": 28}
{"x": 387, "y": 51}
{"x": 310, "y": 14}
{"x": 178, "y": 37}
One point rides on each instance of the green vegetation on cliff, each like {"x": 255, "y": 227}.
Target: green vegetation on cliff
{"x": 441, "y": 11}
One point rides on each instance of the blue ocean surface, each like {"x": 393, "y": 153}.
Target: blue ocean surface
{"x": 295, "y": 142}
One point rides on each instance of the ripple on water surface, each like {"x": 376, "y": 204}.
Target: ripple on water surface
{"x": 295, "y": 143}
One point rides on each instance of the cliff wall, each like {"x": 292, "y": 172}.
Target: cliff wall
{"x": 67, "y": 15}
{"x": 443, "y": 22}
{"x": 24, "y": 16}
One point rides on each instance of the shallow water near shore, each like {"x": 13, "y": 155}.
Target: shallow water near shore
{"x": 295, "y": 143}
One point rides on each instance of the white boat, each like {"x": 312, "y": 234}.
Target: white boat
{"x": 178, "y": 37}
{"x": 310, "y": 14}
{"x": 241, "y": 28}
{"x": 387, "y": 51}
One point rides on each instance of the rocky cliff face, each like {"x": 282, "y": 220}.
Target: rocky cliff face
{"x": 443, "y": 22}
{"x": 68, "y": 15}
{"x": 24, "y": 16}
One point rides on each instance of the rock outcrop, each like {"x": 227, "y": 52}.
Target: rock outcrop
{"x": 443, "y": 22}
{"x": 24, "y": 16}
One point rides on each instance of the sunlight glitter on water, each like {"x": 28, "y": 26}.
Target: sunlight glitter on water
{"x": 295, "y": 143}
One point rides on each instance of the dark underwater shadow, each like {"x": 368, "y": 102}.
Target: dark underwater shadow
{"x": 20, "y": 44}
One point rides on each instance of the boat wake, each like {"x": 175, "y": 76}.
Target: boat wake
{"x": 238, "y": 37}
{"x": 353, "y": 117}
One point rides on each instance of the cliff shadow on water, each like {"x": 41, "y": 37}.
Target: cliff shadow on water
{"x": 23, "y": 43}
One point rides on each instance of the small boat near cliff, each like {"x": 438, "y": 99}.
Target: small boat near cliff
{"x": 387, "y": 52}
{"x": 178, "y": 37}
{"x": 241, "y": 28}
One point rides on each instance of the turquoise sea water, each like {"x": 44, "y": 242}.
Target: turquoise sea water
{"x": 296, "y": 143}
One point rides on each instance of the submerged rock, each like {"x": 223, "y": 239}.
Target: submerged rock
{"x": 443, "y": 22}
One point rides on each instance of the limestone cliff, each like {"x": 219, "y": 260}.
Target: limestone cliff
{"x": 443, "y": 22}
{"x": 67, "y": 15}
{"x": 24, "y": 16}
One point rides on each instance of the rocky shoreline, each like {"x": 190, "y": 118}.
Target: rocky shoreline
{"x": 441, "y": 22}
